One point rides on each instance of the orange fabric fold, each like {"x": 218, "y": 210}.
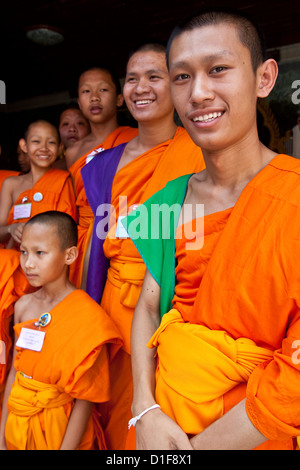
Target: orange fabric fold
{"x": 197, "y": 367}
{"x": 13, "y": 284}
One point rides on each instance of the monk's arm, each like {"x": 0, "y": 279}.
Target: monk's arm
{"x": 6, "y": 202}
{"x": 234, "y": 431}
{"x": 154, "y": 430}
{"x": 77, "y": 425}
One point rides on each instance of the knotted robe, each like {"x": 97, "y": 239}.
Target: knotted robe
{"x": 72, "y": 364}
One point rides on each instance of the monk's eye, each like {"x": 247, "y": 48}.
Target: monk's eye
{"x": 181, "y": 77}
{"x": 219, "y": 69}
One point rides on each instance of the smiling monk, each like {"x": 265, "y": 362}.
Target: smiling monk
{"x": 222, "y": 319}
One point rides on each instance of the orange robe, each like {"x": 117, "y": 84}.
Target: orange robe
{"x": 13, "y": 284}
{"x": 86, "y": 217}
{"x": 41, "y": 402}
{"x": 57, "y": 193}
{"x": 234, "y": 328}
{"x": 136, "y": 181}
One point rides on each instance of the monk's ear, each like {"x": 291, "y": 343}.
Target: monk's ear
{"x": 120, "y": 100}
{"x": 71, "y": 255}
{"x": 23, "y": 145}
{"x": 266, "y": 77}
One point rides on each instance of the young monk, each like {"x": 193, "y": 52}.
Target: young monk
{"x": 226, "y": 373}
{"x": 99, "y": 97}
{"x": 61, "y": 356}
{"x": 41, "y": 189}
{"x": 125, "y": 176}
{"x": 72, "y": 127}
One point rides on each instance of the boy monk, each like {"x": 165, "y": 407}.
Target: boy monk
{"x": 61, "y": 356}
{"x": 99, "y": 97}
{"x": 41, "y": 189}
{"x": 72, "y": 127}
{"x": 226, "y": 374}
{"x": 125, "y": 176}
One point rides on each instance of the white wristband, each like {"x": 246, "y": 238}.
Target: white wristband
{"x": 134, "y": 420}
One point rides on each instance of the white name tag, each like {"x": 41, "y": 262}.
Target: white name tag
{"x": 121, "y": 232}
{"x": 22, "y": 211}
{"x": 31, "y": 339}
{"x": 93, "y": 154}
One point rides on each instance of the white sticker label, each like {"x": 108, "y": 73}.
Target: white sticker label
{"x": 31, "y": 339}
{"x": 22, "y": 211}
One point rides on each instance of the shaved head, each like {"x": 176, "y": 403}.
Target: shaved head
{"x": 65, "y": 226}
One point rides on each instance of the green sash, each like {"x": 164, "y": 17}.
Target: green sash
{"x": 152, "y": 228}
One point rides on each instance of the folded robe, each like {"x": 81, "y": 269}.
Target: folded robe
{"x": 73, "y": 364}
{"x": 250, "y": 288}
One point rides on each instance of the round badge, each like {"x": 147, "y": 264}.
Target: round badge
{"x": 37, "y": 197}
{"x": 44, "y": 319}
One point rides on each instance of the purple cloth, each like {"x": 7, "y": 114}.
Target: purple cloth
{"x": 98, "y": 177}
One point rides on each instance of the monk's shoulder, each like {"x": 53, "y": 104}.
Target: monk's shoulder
{"x": 21, "y": 308}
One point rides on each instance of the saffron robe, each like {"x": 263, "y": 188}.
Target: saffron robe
{"x": 248, "y": 297}
{"x": 57, "y": 193}
{"x": 85, "y": 213}
{"x": 61, "y": 372}
{"x": 13, "y": 284}
{"x": 118, "y": 258}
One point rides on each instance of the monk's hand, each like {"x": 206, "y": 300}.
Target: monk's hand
{"x": 16, "y": 231}
{"x": 156, "y": 431}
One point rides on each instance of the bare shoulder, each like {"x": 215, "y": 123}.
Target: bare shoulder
{"x": 23, "y": 308}
{"x": 11, "y": 182}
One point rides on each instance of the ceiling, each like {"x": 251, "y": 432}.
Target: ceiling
{"x": 98, "y": 31}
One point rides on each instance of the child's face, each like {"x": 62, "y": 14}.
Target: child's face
{"x": 147, "y": 87}
{"x": 42, "y": 258}
{"x": 97, "y": 97}
{"x": 72, "y": 127}
{"x": 213, "y": 86}
{"x": 42, "y": 144}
